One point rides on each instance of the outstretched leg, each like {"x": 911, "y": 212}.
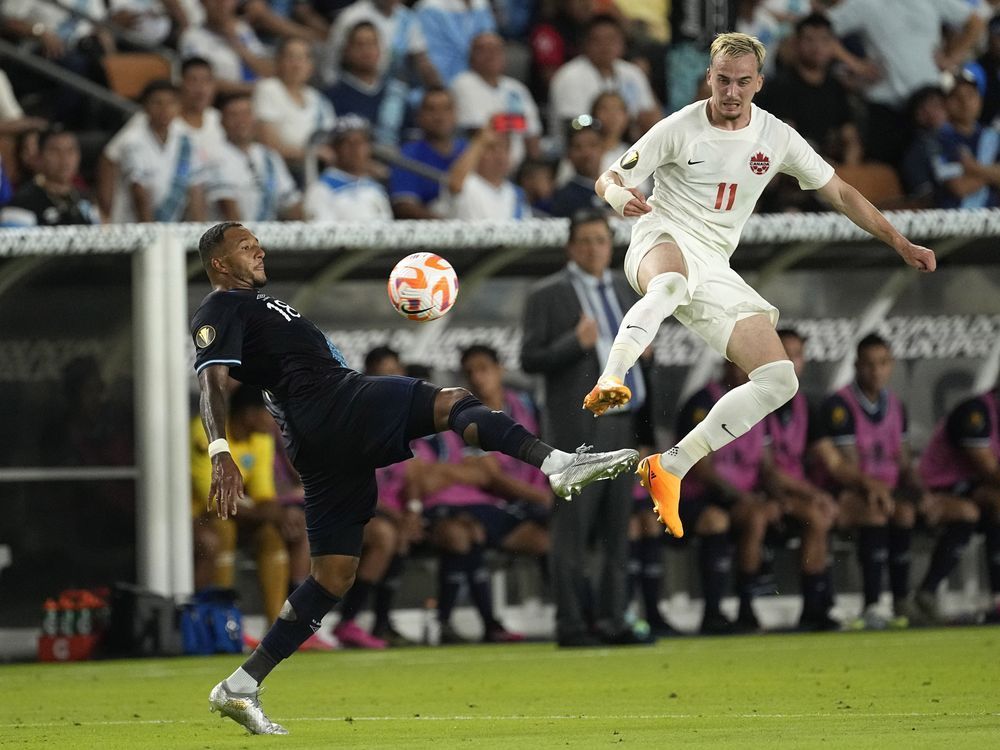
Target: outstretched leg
{"x": 458, "y": 410}
{"x": 663, "y": 279}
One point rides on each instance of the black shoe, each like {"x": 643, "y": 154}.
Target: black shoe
{"x": 663, "y": 629}
{"x": 820, "y": 622}
{"x": 497, "y": 633}
{"x": 449, "y": 636}
{"x": 393, "y": 637}
{"x": 747, "y": 622}
{"x": 579, "y": 640}
{"x": 628, "y": 637}
{"x": 717, "y": 624}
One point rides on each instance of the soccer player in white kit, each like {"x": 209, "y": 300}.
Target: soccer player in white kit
{"x": 711, "y": 161}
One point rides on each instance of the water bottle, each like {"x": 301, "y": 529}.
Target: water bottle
{"x": 50, "y": 617}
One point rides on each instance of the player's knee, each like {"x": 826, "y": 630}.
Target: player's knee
{"x": 668, "y": 284}
{"x": 380, "y": 534}
{"x": 712, "y": 521}
{"x": 776, "y": 381}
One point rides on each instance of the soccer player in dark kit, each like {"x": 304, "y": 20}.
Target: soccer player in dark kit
{"x": 339, "y": 426}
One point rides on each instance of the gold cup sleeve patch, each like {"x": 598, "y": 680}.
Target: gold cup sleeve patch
{"x": 205, "y": 336}
{"x": 629, "y": 160}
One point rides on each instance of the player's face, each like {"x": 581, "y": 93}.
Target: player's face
{"x": 734, "y": 81}
{"x": 484, "y": 375}
{"x": 591, "y": 248}
{"x": 796, "y": 350}
{"x": 243, "y": 260}
{"x": 874, "y": 368}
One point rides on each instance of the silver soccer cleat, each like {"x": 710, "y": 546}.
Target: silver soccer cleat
{"x": 590, "y": 467}
{"x": 244, "y": 709}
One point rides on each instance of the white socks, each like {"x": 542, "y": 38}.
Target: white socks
{"x": 770, "y": 386}
{"x": 241, "y": 682}
{"x": 555, "y": 462}
{"x": 640, "y": 324}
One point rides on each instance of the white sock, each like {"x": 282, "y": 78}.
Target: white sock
{"x": 770, "y": 386}
{"x": 555, "y": 462}
{"x": 241, "y": 682}
{"x": 640, "y": 324}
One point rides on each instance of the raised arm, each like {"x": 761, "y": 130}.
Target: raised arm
{"x": 848, "y": 201}
{"x": 227, "y": 482}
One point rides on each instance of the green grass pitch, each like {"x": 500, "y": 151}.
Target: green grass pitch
{"x": 919, "y": 689}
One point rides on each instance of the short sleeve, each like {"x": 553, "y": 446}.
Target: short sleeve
{"x": 847, "y": 17}
{"x": 836, "y": 421}
{"x": 218, "y": 336}
{"x": 954, "y": 12}
{"x": 804, "y": 164}
{"x": 416, "y": 42}
{"x": 223, "y": 183}
{"x": 9, "y": 108}
{"x": 970, "y": 424}
{"x": 266, "y": 106}
{"x": 658, "y": 146}
{"x": 406, "y": 184}
{"x": 134, "y": 168}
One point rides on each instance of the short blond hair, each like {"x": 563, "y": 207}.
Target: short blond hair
{"x": 735, "y": 44}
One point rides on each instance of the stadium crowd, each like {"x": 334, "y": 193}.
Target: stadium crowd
{"x": 324, "y": 109}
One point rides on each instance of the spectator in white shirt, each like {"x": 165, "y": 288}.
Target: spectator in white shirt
{"x": 601, "y": 68}
{"x": 160, "y": 171}
{"x": 290, "y": 111}
{"x": 250, "y": 181}
{"x": 348, "y": 192}
{"x": 149, "y": 21}
{"x": 478, "y": 181}
{"x": 401, "y": 39}
{"x": 483, "y": 93}
{"x": 237, "y": 56}
{"x": 202, "y": 120}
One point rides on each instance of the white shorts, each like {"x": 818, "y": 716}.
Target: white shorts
{"x": 717, "y": 296}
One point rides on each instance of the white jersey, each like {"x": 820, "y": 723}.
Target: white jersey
{"x": 707, "y": 180}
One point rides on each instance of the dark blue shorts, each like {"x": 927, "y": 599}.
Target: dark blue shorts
{"x": 373, "y": 425}
{"x": 497, "y": 520}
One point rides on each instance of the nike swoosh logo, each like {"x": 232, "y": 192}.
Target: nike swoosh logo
{"x": 727, "y": 431}
{"x": 639, "y": 327}
{"x": 696, "y": 162}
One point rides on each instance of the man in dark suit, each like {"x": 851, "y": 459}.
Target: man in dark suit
{"x": 570, "y": 321}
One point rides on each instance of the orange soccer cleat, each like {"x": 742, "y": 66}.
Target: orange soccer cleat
{"x": 608, "y": 392}
{"x": 665, "y": 490}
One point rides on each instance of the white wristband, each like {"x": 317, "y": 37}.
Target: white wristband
{"x": 218, "y": 446}
{"x": 617, "y": 197}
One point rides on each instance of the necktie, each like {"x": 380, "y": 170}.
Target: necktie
{"x": 633, "y": 378}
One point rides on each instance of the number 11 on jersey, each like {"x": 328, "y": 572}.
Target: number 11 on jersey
{"x": 721, "y": 194}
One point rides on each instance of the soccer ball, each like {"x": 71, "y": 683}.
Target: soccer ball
{"x": 423, "y": 286}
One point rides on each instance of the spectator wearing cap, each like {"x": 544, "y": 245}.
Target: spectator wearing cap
{"x": 601, "y": 68}
{"x": 160, "y": 174}
{"x": 52, "y": 198}
{"x": 928, "y": 116}
{"x": 364, "y": 89}
{"x": 484, "y": 95}
{"x": 905, "y": 38}
{"x": 810, "y": 98}
{"x": 416, "y": 196}
{"x": 236, "y": 54}
{"x": 250, "y": 181}
{"x": 400, "y": 38}
{"x": 583, "y": 150}
{"x": 449, "y": 27}
{"x": 478, "y": 181}
{"x": 348, "y": 192}
{"x": 966, "y": 167}
{"x": 290, "y": 112}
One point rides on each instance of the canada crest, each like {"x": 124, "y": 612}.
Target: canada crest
{"x": 759, "y": 163}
